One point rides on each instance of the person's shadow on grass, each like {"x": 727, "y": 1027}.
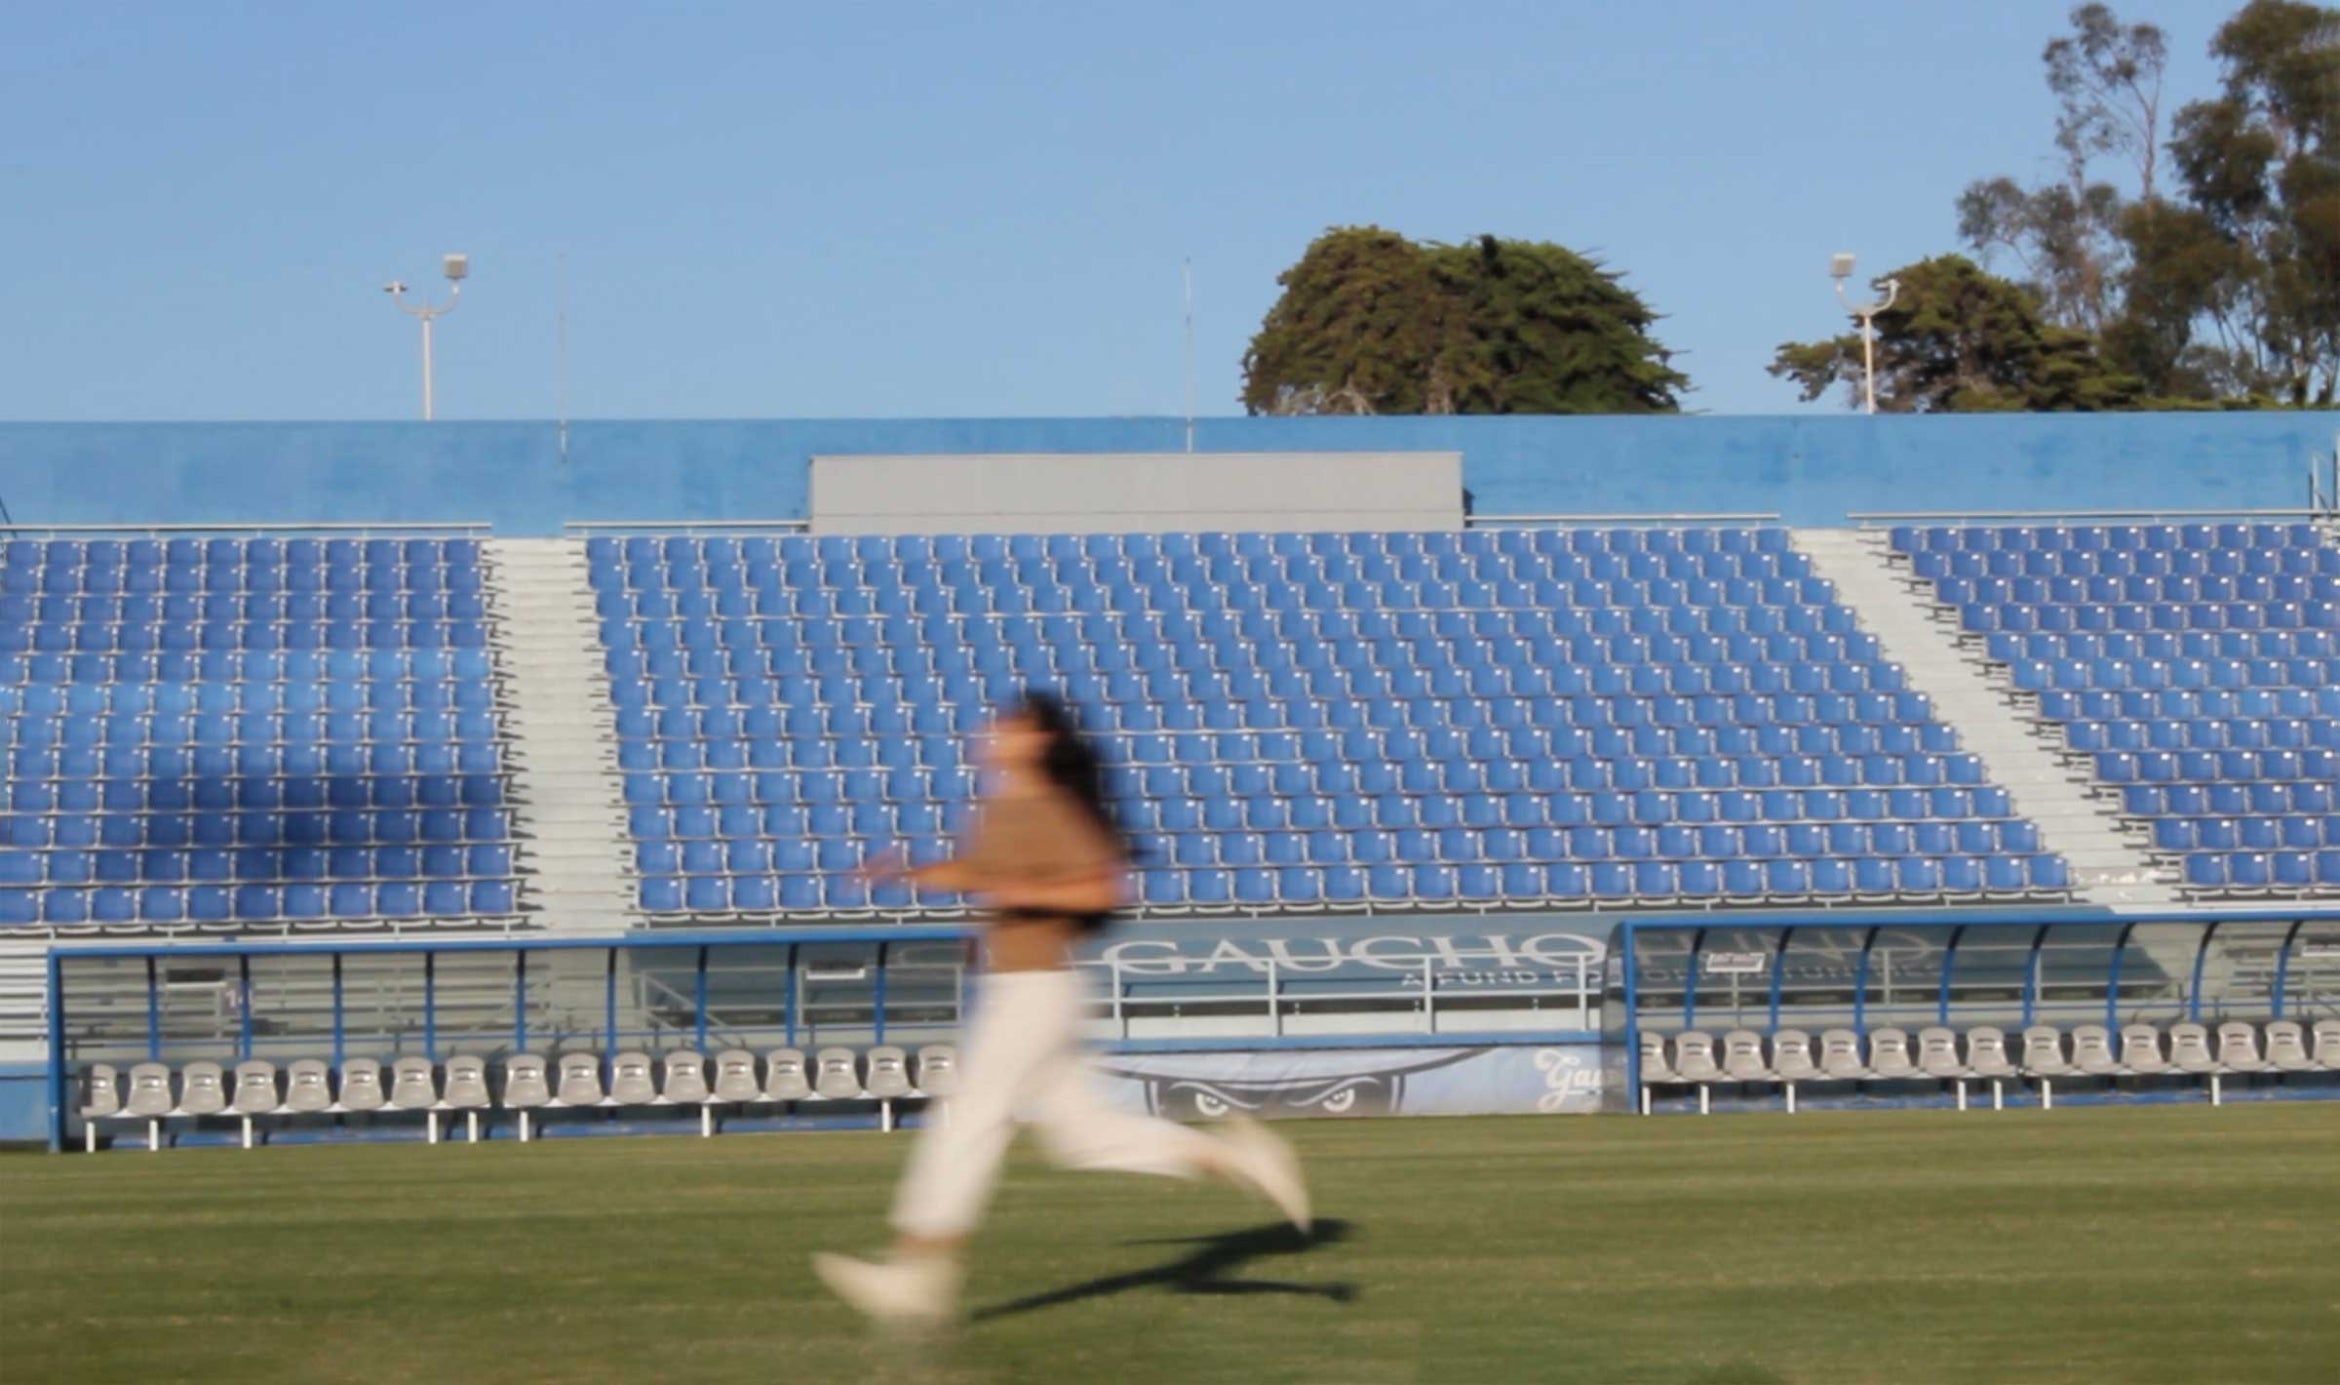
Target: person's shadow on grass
{"x": 1205, "y": 1269}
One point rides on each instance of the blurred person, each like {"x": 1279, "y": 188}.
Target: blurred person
{"x": 1048, "y": 861}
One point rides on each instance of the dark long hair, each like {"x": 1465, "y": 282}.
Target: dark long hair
{"x": 1071, "y": 762}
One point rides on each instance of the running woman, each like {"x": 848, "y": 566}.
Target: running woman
{"x": 1050, "y": 866}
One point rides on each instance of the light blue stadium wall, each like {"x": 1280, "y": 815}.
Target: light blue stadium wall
{"x": 1811, "y": 469}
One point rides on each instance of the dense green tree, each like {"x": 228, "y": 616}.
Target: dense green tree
{"x": 1370, "y": 322}
{"x": 1958, "y": 339}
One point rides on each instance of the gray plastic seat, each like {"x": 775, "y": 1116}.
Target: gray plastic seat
{"x": 580, "y": 1081}
{"x": 2043, "y": 1052}
{"x": 101, "y": 1092}
{"x": 1743, "y": 1057}
{"x": 735, "y": 1077}
{"x": 2189, "y": 1049}
{"x": 1791, "y": 1056}
{"x": 1889, "y": 1055}
{"x": 524, "y": 1082}
{"x": 2287, "y": 1047}
{"x": 2327, "y": 1046}
{"x": 889, "y": 1074}
{"x": 686, "y": 1079}
{"x": 1937, "y": 1054}
{"x": 1840, "y": 1056}
{"x": 938, "y": 1070}
{"x": 2141, "y": 1051}
{"x": 1986, "y": 1053}
{"x": 1694, "y": 1057}
{"x": 2238, "y": 1047}
{"x": 361, "y": 1086}
{"x": 308, "y": 1087}
{"x": 631, "y": 1082}
{"x": 2092, "y": 1051}
{"x": 202, "y": 1089}
{"x": 150, "y": 1091}
{"x": 1657, "y": 1069}
{"x": 837, "y": 1075}
{"x": 255, "y": 1091}
{"x": 414, "y": 1084}
{"x": 784, "y": 1076}
{"x": 467, "y": 1084}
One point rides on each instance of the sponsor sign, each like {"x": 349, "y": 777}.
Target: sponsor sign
{"x": 1509, "y": 1079}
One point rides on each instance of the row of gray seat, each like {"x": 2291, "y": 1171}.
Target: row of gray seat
{"x": 1693, "y": 1058}
{"x": 255, "y": 1088}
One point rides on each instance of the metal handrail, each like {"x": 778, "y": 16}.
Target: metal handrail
{"x": 465, "y": 527}
{"x": 1870, "y": 518}
{"x": 681, "y": 526}
{"x": 1686, "y": 517}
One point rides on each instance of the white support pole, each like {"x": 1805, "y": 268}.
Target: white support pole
{"x": 1791, "y": 1098}
{"x": 1645, "y": 1100}
{"x": 153, "y": 1136}
{"x": 886, "y": 1117}
{"x": 1961, "y": 1093}
{"x": 524, "y": 1125}
{"x": 2217, "y": 1098}
{"x": 427, "y": 410}
{"x": 1703, "y": 1108}
{"x": 2047, "y": 1094}
{"x": 706, "y": 1122}
{"x": 247, "y": 1132}
{"x": 1998, "y": 1096}
{"x": 471, "y": 1127}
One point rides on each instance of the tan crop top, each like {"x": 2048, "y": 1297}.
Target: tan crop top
{"x": 1039, "y": 837}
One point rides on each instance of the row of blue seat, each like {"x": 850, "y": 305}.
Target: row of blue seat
{"x": 153, "y": 905}
{"x": 238, "y": 637}
{"x": 190, "y": 552}
{"x": 441, "y": 861}
{"x": 2230, "y": 800}
{"x": 2152, "y": 675}
{"x": 2164, "y": 646}
{"x": 643, "y": 548}
{"x": 260, "y": 827}
{"x": 2212, "y": 590}
{"x": 253, "y": 666}
{"x": 2198, "y": 766}
{"x": 2300, "y": 562}
{"x": 2204, "y": 733}
{"x": 2303, "y": 833}
{"x": 252, "y": 728}
{"x": 293, "y": 763}
{"x": 185, "y": 608}
{"x": 2137, "y": 704}
{"x": 2167, "y": 618}
{"x": 932, "y": 812}
{"x": 116, "y": 804}
{"x": 1375, "y": 846}
{"x": 230, "y": 699}
{"x": 2232, "y": 534}
{"x": 286, "y": 588}
{"x": 2254, "y": 870}
{"x": 1519, "y": 883}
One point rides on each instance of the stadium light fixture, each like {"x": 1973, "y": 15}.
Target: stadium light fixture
{"x": 1840, "y": 268}
{"x": 456, "y": 268}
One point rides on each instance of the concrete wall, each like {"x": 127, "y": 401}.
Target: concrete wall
{"x": 1811, "y": 469}
{"x": 1136, "y": 492}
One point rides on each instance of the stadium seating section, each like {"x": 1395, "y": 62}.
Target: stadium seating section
{"x": 2193, "y": 664}
{"x": 1302, "y": 720}
{"x": 234, "y": 731}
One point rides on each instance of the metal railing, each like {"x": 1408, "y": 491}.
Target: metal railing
{"x": 1689, "y": 519}
{"x": 589, "y": 528}
{"x": 1415, "y": 985}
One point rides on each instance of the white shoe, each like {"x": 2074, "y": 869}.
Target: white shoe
{"x": 1270, "y": 1167}
{"x": 907, "y": 1291}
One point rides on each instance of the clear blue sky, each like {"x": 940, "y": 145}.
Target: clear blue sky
{"x": 925, "y": 209}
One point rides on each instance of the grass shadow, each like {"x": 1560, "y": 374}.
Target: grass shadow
{"x": 1207, "y": 1268}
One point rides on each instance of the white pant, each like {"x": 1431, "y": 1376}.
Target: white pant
{"x": 1022, "y": 1063}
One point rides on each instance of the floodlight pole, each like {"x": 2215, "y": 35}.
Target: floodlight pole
{"x": 1841, "y": 270}
{"x": 457, "y": 268}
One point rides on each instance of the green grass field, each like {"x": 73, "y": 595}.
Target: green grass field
{"x": 2084, "y": 1245}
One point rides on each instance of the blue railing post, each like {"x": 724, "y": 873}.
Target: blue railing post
{"x": 58, "y": 1112}
{"x": 2201, "y": 958}
{"x": 1690, "y": 980}
{"x": 2283, "y": 967}
{"x": 243, "y": 1008}
{"x": 1949, "y": 966}
{"x": 2031, "y": 979}
{"x": 2112, "y": 981}
{"x": 1787, "y": 938}
{"x": 153, "y": 1011}
{"x": 1629, "y": 940}
{"x": 1860, "y": 1014}
{"x": 699, "y": 1002}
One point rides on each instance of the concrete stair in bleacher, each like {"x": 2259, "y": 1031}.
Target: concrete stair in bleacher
{"x": 2077, "y": 817}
